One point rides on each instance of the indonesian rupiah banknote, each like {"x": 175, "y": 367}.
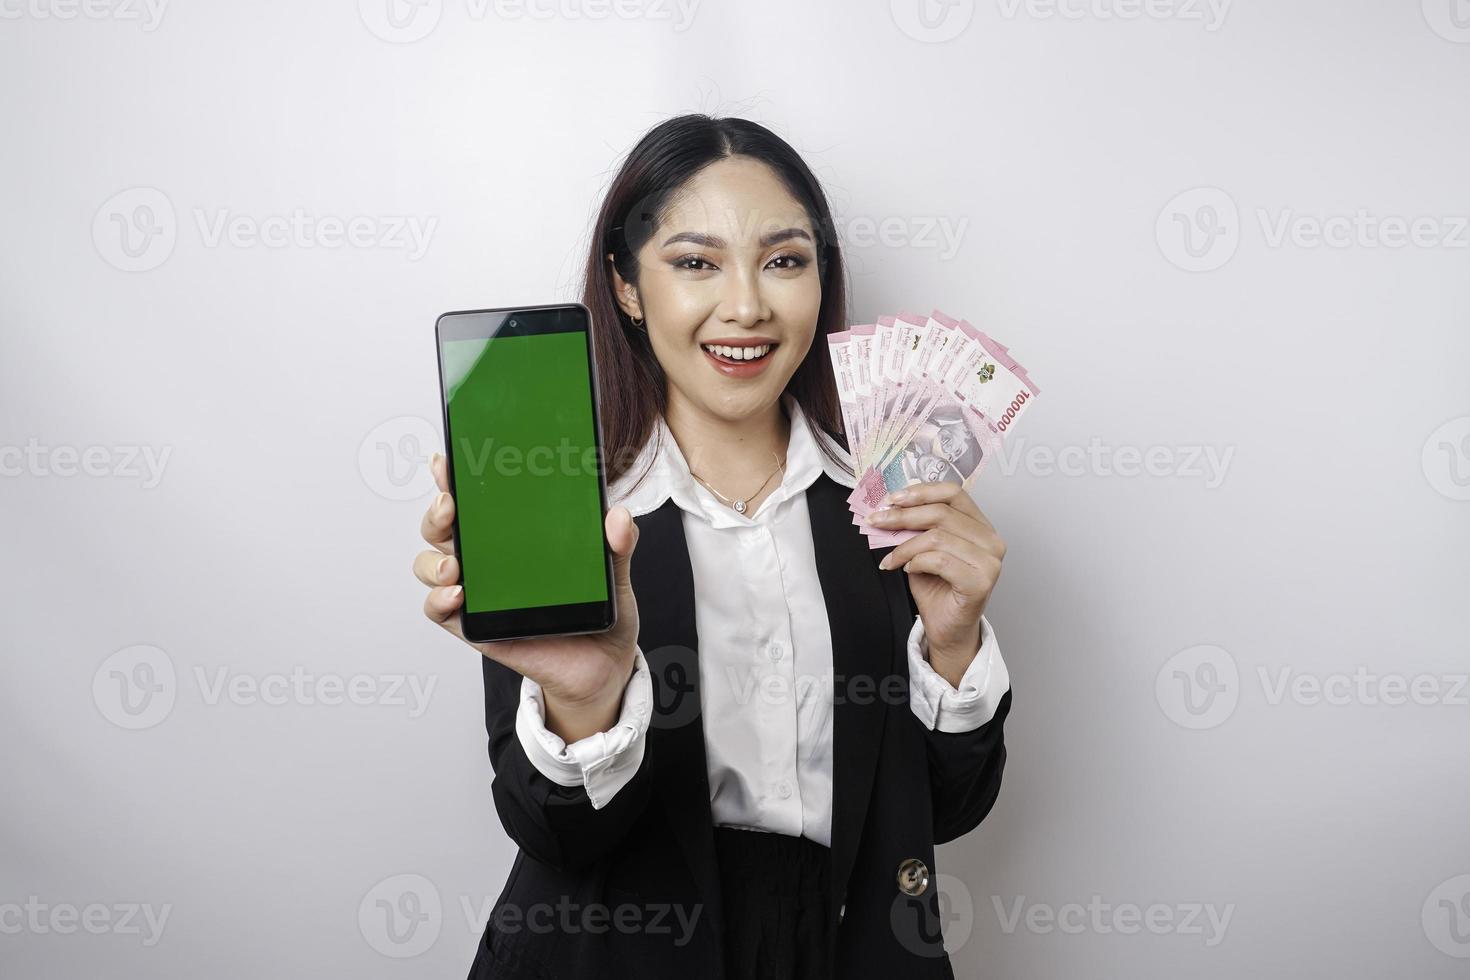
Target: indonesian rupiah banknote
{"x": 924, "y": 398}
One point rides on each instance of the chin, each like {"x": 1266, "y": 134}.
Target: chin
{"x": 736, "y": 401}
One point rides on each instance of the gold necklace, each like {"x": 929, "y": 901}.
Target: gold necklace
{"x": 739, "y": 504}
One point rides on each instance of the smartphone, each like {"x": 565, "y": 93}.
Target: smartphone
{"x": 523, "y": 440}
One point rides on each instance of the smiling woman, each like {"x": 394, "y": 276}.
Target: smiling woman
{"x": 744, "y": 237}
{"x": 792, "y": 833}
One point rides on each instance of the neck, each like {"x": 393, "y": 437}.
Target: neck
{"x": 733, "y": 455}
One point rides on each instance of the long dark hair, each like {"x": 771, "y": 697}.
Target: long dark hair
{"x": 631, "y": 384}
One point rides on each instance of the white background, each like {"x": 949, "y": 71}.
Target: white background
{"x": 1149, "y": 619}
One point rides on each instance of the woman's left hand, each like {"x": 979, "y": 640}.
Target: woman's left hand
{"x": 953, "y": 566}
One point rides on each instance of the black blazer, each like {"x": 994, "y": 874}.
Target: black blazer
{"x": 631, "y": 890}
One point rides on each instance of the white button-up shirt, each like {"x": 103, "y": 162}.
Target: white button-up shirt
{"x": 765, "y": 653}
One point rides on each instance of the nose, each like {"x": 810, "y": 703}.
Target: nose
{"x": 741, "y": 302}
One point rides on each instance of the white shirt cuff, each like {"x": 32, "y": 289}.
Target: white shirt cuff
{"x": 943, "y": 707}
{"x": 603, "y": 762}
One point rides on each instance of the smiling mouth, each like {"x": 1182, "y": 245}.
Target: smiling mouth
{"x": 738, "y": 355}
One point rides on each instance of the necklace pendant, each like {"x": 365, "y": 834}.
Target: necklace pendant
{"x": 739, "y": 506}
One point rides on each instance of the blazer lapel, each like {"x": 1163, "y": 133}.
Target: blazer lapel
{"x": 863, "y": 606}
{"x": 662, "y": 576}
{"x": 859, "y": 600}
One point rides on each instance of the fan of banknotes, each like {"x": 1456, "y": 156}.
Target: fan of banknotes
{"x": 924, "y": 398}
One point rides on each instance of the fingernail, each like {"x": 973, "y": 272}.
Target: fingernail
{"x": 454, "y": 591}
{"x": 880, "y": 516}
{"x": 434, "y": 459}
{"x": 884, "y": 563}
{"x": 441, "y": 503}
{"x": 439, "y": 568}
{"x": 900, "y": 497}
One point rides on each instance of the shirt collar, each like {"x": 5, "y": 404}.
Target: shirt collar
{"x": 668, "y": 473}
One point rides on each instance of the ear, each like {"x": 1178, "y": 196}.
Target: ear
{"x": 625, "y": 293}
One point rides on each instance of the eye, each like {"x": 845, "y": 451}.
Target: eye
{"x": 792, "y": 260}
{"x": 693, "y": 263}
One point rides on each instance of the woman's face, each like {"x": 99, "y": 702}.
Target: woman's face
{"x": 734, "y": 263}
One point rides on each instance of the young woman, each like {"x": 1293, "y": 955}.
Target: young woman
{"x": 747, "y": 776}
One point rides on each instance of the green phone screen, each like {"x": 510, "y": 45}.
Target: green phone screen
{"x": 525, "y": 471}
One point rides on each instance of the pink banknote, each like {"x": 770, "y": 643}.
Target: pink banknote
{"x": 924, "y": 398}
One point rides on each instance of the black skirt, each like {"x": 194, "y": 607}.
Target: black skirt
{"x": 775, "y": 890}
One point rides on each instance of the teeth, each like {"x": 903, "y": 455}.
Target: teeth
{"x": 739, "y": 353}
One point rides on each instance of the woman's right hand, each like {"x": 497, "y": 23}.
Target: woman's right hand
{"x": 582, "y": 677}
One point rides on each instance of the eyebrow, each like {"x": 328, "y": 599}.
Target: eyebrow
{"x": 713, "y": 241}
